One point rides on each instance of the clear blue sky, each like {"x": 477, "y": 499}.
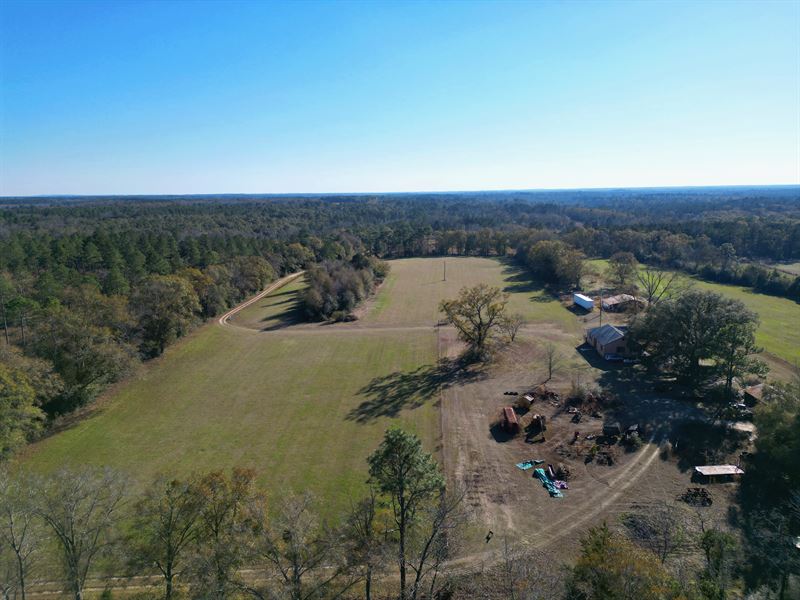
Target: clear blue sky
{"x": 157, "y": 97}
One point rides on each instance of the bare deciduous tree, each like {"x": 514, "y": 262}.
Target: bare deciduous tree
{"x": 367, "y": 543}
{"x": 511, "y": 325}
{"x": 435, "y": 541}
{"x": 232, "y": 515}
{"x": 21, "y": 534}
{"x": 552, "y": 359}
{"x": 660, "y": 529}
{"x": 305, "y": 558}
{"x": 657, "y": 284}
{"x": 520, "y": 573}
{"x": 165, "y": 523}
{"x": 80, "y": 509}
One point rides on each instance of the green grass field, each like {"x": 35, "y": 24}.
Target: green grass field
{"x": 280, "y": 308}
{"x": 415, "y": 286}
{"x": 293, "y": 403}
{"x": 305, "y": 406}
{"x": 778, "y": 332}
{"x": 281, "y": 404}
{"x": 786, "y": 267}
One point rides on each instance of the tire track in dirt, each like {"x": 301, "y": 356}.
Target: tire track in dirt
{"x": 589, "y": 508}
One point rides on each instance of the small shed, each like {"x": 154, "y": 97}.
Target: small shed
{"x": 583, "y": 301}
{"x": 611, "y": 429}
{"x": 716, "y": 473}
{"x": 621, "y": 302}
{"x": 510, "y": 421}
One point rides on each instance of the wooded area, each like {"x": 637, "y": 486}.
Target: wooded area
{"x": 88, "y": 287}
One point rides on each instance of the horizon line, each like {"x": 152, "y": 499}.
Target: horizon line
{"x": 399, "y": 193}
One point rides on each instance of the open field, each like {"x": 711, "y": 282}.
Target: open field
{"x": 274, "y": 311}
{"x": 304, "y": 405}
{"x": 790, "y": 268}
{"x": 412, "y": 291}
{"x": 778, "y": 331}
{"x": 286, "y": 406}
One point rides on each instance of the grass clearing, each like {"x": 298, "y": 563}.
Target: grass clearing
{"x": 279, "y": 404}
{"x": 415, "y": 286}
{"x": 303, "y": 405}
{"x": 281, "y": 308}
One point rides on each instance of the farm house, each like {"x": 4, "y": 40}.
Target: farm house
{"x": 608, "y": 340}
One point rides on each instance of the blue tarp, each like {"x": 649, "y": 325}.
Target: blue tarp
{"x": 547, "y": 483}
{"x": 529, "y": 464}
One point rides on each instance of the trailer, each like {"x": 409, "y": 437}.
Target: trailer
{"x": 583, "y": 301}
{"x": 510, "y": 421}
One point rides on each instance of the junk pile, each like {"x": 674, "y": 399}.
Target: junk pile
{"x": 547, "y": 483}
{"x": 697, "y": 496}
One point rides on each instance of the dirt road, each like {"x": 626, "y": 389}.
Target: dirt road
{"x": 223, "y": 320}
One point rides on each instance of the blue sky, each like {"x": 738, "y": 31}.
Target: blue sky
{"x": 157, "y": 97}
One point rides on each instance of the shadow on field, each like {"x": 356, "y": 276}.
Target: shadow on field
{"x": 292, "y": 311}
{"x": 518, "y": 280}
{"x": 389, "y": 394}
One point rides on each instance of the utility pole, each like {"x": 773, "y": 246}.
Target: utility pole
{"x": 444, "y": 264}
{"x": 601, "y": 309}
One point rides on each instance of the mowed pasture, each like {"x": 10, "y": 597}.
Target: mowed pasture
{"x": 279, "y": 309}
{"x": 415, "y": 286}
{"x": 303, "y": 405}
{"x": 285, "y": 405}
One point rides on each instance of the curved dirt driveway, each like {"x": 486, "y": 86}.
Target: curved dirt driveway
{"x": 584, "y": 510}
{"x": 223, "y": 320}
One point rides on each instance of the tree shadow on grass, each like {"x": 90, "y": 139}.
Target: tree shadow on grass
{"x": 519, "y": 280}
{"x": 702, "y": 443}
{"x": 645, "y": 398}
{"x": 390, "y": 394}
{"x": 292, "y": 314}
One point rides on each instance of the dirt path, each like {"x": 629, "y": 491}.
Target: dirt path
{"x": 500, "y": 496}
{"x": 224, "y": 319}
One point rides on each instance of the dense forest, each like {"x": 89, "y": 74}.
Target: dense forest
{"x": 91, "y": 286}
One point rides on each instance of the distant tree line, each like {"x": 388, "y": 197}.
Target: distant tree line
{"x": 90, "y": 287}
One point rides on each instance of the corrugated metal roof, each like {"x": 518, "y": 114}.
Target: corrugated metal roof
{"x": 719, "y": 470}
{"x": 606, "y": 334}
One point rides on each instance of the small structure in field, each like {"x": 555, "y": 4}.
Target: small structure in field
{"x": 510, "y": 421}
{"x": 583, "y": 301}
{"x": 612, "y": 430}
{"x": 716, "y": 473}
{"x": 621, "y": 302}
{"x": 753, "y": 394}
{"x": 608, "y": 340}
